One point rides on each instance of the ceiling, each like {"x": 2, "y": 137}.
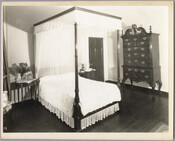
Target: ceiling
{"x": 24, "y": 17}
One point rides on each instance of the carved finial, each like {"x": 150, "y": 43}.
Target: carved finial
{"x": 150, "y": 29}
{"x": 134, "y": 27}
{"x": 136, "y": 31}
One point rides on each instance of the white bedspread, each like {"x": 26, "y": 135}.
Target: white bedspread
{"x": 58, "y": 90}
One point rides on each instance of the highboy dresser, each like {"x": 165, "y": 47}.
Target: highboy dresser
{"x": 141, "y": 56}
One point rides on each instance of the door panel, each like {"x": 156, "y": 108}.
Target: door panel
{"x": 96, "y": 57}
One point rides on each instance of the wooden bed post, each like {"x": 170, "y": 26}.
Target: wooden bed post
{"x": 118, "y": 58}
{"x": 77, "y": 109}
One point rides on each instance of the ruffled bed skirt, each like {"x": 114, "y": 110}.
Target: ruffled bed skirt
{"x": 60, "y": 114}
{"x": 85, "y": 122}
{"x": 102, "y": 114}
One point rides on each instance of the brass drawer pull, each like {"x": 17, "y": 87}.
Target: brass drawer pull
{"x": 143, "y": 55}
{"x": 135, "y": 54}
{"x": 129, "y": 44}
{"x": 144, "y": 38}
{"x": 129, "y": 61}
{"x": 129, "y": 69}
{"x": 142, "y": 48}
{"x": 143, "y": 62}
{"x": 142, "y": 43}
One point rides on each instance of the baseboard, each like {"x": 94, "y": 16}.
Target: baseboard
{"x": 162, "y": 93}
{"x": 114, "y": 82}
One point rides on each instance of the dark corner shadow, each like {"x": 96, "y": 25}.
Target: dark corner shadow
{"x": 31, "y": 49}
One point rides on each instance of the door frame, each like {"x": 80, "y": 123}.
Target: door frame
{"x": 103, "y": 53}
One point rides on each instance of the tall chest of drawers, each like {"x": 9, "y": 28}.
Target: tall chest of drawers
{"x": 141, "y": 56}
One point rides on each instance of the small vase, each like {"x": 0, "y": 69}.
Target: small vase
{"x": 27, "y": 76}
{"x": 18, "y": 77}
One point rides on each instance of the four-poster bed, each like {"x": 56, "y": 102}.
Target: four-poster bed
{"x": 73, "y": 107}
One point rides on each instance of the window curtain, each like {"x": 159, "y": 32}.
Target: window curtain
{"x": 54, "y": 49}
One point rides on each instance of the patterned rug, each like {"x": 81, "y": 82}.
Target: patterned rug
{"x": 160, "y": 127}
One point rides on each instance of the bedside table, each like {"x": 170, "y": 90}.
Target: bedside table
{"x": 90, "y": 74}
{"x": 24, "y": 85}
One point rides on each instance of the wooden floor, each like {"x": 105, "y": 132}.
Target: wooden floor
{"x": 142, "y": 110}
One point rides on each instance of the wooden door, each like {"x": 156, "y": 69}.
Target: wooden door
{"x": 96, "y": 57}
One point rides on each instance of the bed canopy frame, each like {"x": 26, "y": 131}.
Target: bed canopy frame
{"x": 115, "y": 23}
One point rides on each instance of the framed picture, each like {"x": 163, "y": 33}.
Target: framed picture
{"x": 127, "y": 44}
